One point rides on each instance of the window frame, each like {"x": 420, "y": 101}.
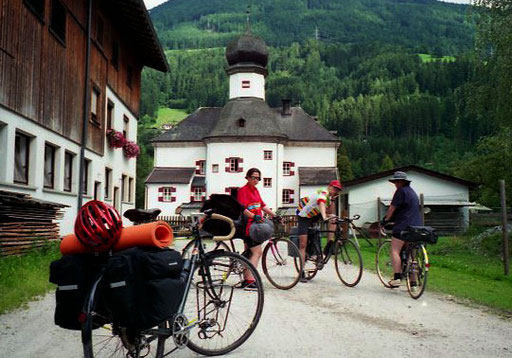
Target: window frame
{"x": 108, "y": 182}
{"x": 85, "y": 179}
{"x": 110, "y": 113}
{"x": 95, "y": 90}
{"x": 267, "y": 182}
{"x": 39, "y": 14}
{"x": 215, "y": 168}
{"x": 288, "y": 193}
{"x": 114, "y": 60}
{"x": 26, "y": 163}
{"x": 68, "y": 180}
{"x": 48, "y": 146}
{"x": 124, "y": 192}
{"x": 59, "y": 33}
{"x": 198, "y": 193}
{"x": 167, "y": 194}
{"x": 287, "y": 168}
{"x": 267, "y": 155}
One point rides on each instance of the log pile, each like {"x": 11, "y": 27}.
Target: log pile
{"x": 26, "y": 223}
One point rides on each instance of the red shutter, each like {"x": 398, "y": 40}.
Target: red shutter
{"x": 191, "y": 198}
{"x": 292, "y": 196}
{"x": 160, "y": 198}
{"x": 161, "y": 193}
{"x": 240, "y": 160}
{"x": 173, "y": 189}
{"x": 240, "y": 169}
{"x": 292, "y": 172}
{"x": 227, "y": 190}
{"x": 161, "y": 189}
{"x": 292, "y": 164}
{"x": 227, "y": 160}
{"x": 227, "y": 169}
{"x": 173, "y": 199}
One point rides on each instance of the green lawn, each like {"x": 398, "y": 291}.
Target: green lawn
{"x": 24, "y": 277}
{"x": 456, "y": 270}
{"x": 429, "y": 58}
{"x": 168, "y": 115}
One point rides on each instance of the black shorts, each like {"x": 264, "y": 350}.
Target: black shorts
{"x": 397, "y": 235}
{"x": 305, "y": 223}
{"x": 250, "y": 242}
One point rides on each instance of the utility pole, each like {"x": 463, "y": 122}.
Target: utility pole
{"x": 316, "y": 33}
{"x": 506, "y": 258}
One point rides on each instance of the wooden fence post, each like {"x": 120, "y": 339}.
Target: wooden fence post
{"x": 504, "y": 227}
{"x": 379, "y": 218}
{"x": 422, "y": 209}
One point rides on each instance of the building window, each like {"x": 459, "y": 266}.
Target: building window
{"x": 246, "y": 84}
{"x": 200, "y": 167}
{"x": 129, "y": 76}
{"x": 99, "y": 31}
{"x": 267, "y": 155}
{"x": 287, "y": 168}
{"x": 126, "y": 122}
{"x": 85, "y": 179}
{"x": 95, "y": 103}
{"x": 115, "y": 54}
{"x": 267, "y": 182}
{"x": 110, "y": 114}
{"x": 49, "y": 166}
{"x": 215, "y": 168}
{"x": 124, "y": 183}
{"x": 288, "y": 196}
{"x": 68, "y": 171}
{"x": 36, "y": 6}
{"x": 58, "y": 20}
{"x": 165, "y": 193}
{"x": 198, "y": 194}
{"x": 233, "y": 165}
{"x": 21, "y": 156}
{"x": 131, "y": 187}
{"x": 97, "y": 188}
{"x": 108, "y": 182}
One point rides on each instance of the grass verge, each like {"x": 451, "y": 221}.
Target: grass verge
{"x": 22, "y": 278}
{"x": 459, "y": 272}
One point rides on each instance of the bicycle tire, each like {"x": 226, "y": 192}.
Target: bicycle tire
{"x": 279, "y": 266}
{"x": 211, "y": 317}
{"x": 417, "y": 266}
{"x": 383, "y": 263}
{"x": 100, "y": 338}
{"x": 348, "y": 262}
{"x": 208, "y": 245}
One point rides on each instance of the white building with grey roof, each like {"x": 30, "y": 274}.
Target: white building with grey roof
{"x": 211, "y": 149}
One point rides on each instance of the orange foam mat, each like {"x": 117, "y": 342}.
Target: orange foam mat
{"x": 157, "y": 233}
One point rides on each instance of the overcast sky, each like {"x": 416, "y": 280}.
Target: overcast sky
{"x": 152, "y": 3}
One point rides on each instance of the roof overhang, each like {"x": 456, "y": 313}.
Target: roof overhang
{"x": 427, "y": 202}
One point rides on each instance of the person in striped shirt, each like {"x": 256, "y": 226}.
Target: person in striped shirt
{"x": 313, "y": 208}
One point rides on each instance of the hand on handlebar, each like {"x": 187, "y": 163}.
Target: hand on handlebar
{"x": 257, "y": 218}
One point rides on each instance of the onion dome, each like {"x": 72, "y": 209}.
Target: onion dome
{"x": 247, "y": 49}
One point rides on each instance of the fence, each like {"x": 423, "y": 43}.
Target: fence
{"x": 489, "y": 218}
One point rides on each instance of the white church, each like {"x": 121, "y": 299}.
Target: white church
{"x": 211, "y": 149}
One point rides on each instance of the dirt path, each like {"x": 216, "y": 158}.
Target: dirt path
{"x": 319, "y": 319}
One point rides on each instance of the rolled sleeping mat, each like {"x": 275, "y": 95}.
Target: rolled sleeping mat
{"x": 157, "y": 234}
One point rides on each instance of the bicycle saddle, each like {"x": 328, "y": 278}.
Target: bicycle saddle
{"x": 141, "y": 215}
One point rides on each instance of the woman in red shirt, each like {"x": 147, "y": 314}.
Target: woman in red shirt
{"x": 254, "y": 206}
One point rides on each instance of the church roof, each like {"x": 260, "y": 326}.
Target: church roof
{"x": 167, "y": 175}
{"x": 248, "y": 117}
{"x": 317, "y": 175}
{"x": 247, "y": 49}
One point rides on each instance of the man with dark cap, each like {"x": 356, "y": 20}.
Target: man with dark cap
{"x": 403, "y": 211}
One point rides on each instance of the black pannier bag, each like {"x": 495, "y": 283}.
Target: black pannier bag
{"x": 73, "y": 275}
{"x": 144, "y": 286}
{"x": 420, "y": 233}
{"x": 294, "y": 238}
{"x": 314, "y": 246}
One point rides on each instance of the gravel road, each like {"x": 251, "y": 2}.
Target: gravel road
{"x": 321, "y": 318}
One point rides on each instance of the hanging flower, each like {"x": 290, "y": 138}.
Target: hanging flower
{"x": 131, "y": 149}
{"x": 116, "y": 139}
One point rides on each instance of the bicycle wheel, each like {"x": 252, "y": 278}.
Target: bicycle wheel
{"x": 383, "y": 263}
{"x": 417, "y": 271}
{"x": 208, "y": 245}
{"x": 223, "y": 315}
{"x": 279, "y": 263}
{"x": 348, "y": 262}
{"x": 101, "y": 339}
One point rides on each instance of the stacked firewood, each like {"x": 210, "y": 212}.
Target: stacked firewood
{"x": 26, "y": 223}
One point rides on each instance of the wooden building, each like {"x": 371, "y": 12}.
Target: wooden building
{"x": 69, "y": 71}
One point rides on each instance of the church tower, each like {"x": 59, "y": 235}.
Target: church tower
{"x": 247, "y": 58}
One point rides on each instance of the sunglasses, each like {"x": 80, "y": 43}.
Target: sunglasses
{"x": 255, "y": 178}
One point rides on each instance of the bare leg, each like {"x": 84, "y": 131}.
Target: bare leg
{"x": 396, "y": 246}
{"x": 256, "y": 253}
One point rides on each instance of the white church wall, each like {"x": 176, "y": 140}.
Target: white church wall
{"x": 246, "y": 85}
{"x": 179, "y": 156}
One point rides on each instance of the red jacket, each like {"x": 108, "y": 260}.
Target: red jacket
{"x": 250, "y": 198}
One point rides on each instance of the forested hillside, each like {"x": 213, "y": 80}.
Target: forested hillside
{"x": 389, "y": 105}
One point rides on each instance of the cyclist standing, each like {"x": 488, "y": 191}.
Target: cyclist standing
{"x": 403, "y": 211}
{"x": 254, "y": 206}
{"x": 313, "y": 208}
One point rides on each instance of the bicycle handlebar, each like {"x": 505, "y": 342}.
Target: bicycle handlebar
{"x": 346, "y": 219}
{"x": 231, "y": 225}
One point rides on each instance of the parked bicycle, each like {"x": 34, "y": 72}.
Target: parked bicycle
{"x": 414, "y": 259}
{"x": 214, "y": 316}
{"x": 347, "y": 256}
{"x": 278, "y": 261}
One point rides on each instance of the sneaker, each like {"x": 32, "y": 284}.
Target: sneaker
{"x": 243, "y": 284}
{"x": 303, "y": 278}
{"x": 414, "y": 287}
{"x": 395, "y": 283}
